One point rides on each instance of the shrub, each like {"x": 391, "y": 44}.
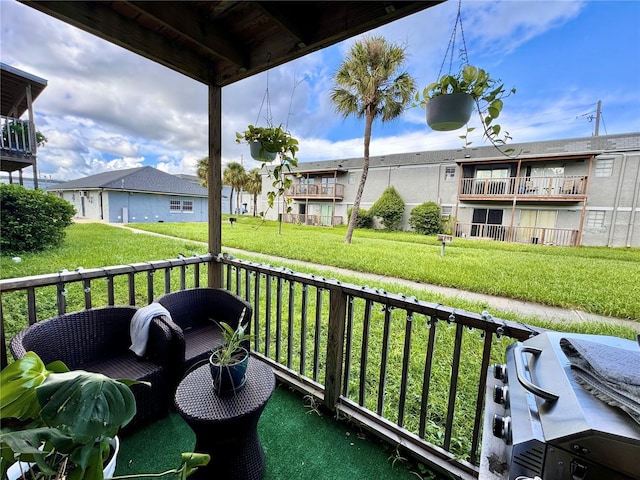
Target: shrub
{"x": 389, "y": 207}
{"x": 363, "y": 219}
{"x": 31, "y": 220}
{"x": 425, "y": 218}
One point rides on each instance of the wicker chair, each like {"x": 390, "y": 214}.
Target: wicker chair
{"x": 195, "y": 316}
{"x": 98, "y": 340}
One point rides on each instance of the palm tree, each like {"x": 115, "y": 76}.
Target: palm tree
{"x": 201, "y": 172}
{"x": 254, "y": 186}
{"x": 369, "y": 84}
{"x": 235, "y": 176}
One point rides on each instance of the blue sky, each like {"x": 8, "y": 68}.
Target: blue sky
{"x": 106, "y": 108}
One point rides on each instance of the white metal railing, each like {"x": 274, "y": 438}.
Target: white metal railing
{"x": 15, "y": 136}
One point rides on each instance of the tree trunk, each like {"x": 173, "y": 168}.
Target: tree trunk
{"x": 363, "y": 178}
{"x": 255, "y": 204}
{"x": 231, "y": 201}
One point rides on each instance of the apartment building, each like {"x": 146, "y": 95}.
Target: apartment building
{"x": 580, "y": 191}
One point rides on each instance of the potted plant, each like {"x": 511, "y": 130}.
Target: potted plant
{"x": 449, "y": 101}
{"x": 274, "y": 142}
{"x": 58, "y": 423}
{"x": 229, "y": 361}
{"x": 267, "y": 142}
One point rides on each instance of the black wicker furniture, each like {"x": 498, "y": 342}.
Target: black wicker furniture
{"x": 195, "y": 316}
{"x": 226, "y": 426}
{"x": 98, "y": 340}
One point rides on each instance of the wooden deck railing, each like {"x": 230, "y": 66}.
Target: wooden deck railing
{"x": 316, "y": 191}
{"x": 308, "y": 219}
{"x": 534, "y": 188}
{"x": 564, "y": 237}
{"x": 412, "y": 372}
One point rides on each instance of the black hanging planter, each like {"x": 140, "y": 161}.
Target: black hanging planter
{"x": 450, "y": 111}
{"x": 258, "y": 152}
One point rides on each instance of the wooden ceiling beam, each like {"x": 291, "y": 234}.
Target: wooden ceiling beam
{"x": 181, "y": 21}
{"x": 99, "y": 19}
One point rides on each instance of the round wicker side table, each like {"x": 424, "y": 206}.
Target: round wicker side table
{"x": 226, "y": 426}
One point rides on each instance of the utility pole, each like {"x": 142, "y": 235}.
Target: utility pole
{"x": 597, "y": 130}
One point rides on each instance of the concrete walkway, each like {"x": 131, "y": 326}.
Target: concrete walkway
{"x": 503, "y": 304}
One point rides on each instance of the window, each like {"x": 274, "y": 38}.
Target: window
{"x": 449, "y": 173}
{"x": 547, "y": 171}
{"x": 352, "y": 178}
{"x": 488, "y": 223}
{"x": 180, "y": 206}
{"x": 604, "y": 167}
{"x": 446, "y": 210}
{"x": 493, "y": 173}
{"x": 595, "y": 218}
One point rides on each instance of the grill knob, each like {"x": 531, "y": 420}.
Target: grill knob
{"x": 500, "y": 372}
{"x": 501, "y": 395}
{"x": 501, "y": 427}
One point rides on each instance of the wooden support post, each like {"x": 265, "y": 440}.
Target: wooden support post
{"x": 335, "y": 347}
{"x": 214, "y": 182}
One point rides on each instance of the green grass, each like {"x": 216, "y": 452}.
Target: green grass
{"x": 598, "y": 280}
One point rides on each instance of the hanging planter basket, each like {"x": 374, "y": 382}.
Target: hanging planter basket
{"x": 258, "y": 152}
{"x": 449, "y": 112}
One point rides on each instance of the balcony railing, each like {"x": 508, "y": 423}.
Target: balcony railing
{"x": 563, "y": 237}
{"x": 411, "y": 371}
{"x": 14, "y": 137}
{"x": 523, "y": 188}
{"x": 308, "y": 219}
{"x": 321, "y": 191}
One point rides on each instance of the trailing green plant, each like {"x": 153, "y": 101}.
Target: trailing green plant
{"x": 488, "y": 94}
{"x": 273, "y": 139}
{"x": 59, "y": 421}
{"x": 426, "y": 218}
{"x": 279, "y": 141}
{"x": 389, "y": 207}
{"x": 31, "y": 220}
{"x": 233, "y": 343}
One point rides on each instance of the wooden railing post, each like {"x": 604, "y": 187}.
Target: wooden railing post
{"x": 335, "y": 347}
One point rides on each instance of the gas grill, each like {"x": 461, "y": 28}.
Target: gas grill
{"x": 541, "y": 423}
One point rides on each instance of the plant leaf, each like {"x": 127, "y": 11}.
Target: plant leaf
{"x": 85, "y": 405}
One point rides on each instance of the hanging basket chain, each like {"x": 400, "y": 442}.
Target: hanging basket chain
{"x": 452, "y": 44}
{"x": 267, "y": 99}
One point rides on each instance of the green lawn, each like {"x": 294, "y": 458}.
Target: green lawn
{"x": 599, "y": 280}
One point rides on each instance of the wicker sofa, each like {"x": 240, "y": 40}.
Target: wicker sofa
{"x": 195, "y": 316}
{"x": 98, "y": 340}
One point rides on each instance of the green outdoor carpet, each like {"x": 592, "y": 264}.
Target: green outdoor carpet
{"x": 298, "y": 444}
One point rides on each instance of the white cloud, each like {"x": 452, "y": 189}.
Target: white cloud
{"x": 107, "y": 108}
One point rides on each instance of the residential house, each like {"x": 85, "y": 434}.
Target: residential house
{"x": 142, "y": 194}
{"x": 18, "y": 141}
{"x": 581, "y": 191}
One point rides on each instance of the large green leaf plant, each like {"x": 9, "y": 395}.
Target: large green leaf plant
{"x": 52, "y": 417}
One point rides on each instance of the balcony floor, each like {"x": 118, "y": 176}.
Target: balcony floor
{"x": 298, "y": 444}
